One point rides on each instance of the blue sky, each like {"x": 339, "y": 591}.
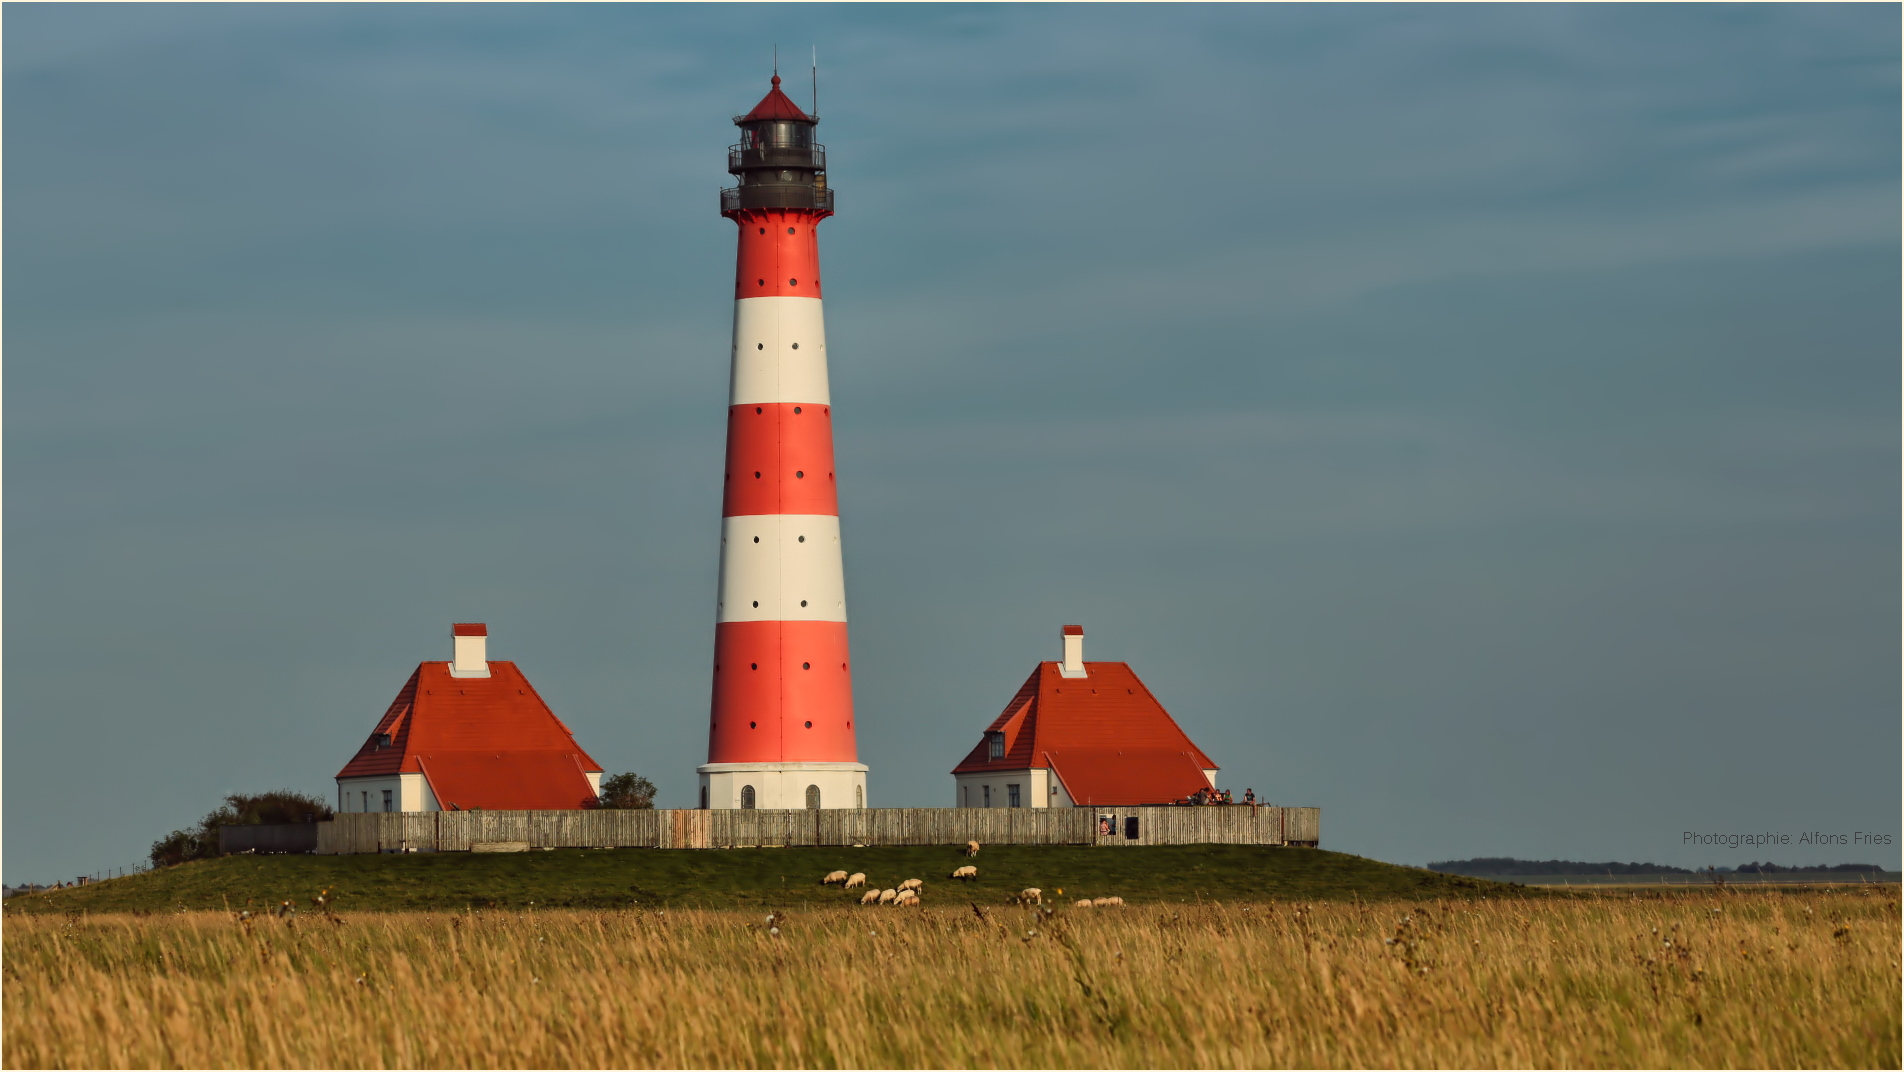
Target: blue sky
{"x": 1480, "y": 422}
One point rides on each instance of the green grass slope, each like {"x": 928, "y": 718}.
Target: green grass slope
{"x": 607, "y": 878}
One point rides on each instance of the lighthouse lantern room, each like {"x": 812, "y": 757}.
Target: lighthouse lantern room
{"x": 780, "y": 728}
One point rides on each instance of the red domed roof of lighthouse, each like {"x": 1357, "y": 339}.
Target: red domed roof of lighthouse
{"x": 775, "y": 105}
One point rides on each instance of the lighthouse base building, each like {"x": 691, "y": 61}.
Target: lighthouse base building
{"x": 783, "y": 785}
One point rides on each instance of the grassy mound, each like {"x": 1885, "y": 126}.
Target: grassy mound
{"x": 605, "y": 878}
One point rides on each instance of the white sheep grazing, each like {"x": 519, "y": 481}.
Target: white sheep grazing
{"x": 1115, "y": 902}
{"x": 913, "y": 884}
{"x": 911, "y": 902}
{"x": 888, "y": 896}
{"x": 869, "y": 897}
{"x": 904, "y": 895}
{"x": 968, "y": 873}
{"x": 1100, "y": 902}
{"x": 854, "y": 881}
{"x": 833, "y": 878}
{"x": 1033, "y": 895}
{"x": 1085, "y": 902}
{"x": 971, "y": 848}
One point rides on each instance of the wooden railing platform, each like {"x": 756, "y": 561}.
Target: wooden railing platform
{"x": 455, "y": 831}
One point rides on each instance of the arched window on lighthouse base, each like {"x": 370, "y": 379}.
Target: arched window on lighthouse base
{"x": 746, "y": 796}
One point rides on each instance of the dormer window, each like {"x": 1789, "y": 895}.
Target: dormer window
{"x": 383, "y": 740}
{"x": 995, "y": 744}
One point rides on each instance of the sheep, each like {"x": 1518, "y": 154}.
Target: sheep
{"x": 905, "y": 897}
{"x": 913, "y": 884}
{"x": 967, "y": 873}
{"x": 855, "y": 881}
{"x": 1085, "y": 902}
{"x": 1033, "y": 895}
{"x": 971, "y": 848}
{"x": 888, "y": 896}
{"x": 833, "y": 878}
{"x": 1114, "y": 902}
{"x": 910, "y": 902}
{"x": 869, "y": 897}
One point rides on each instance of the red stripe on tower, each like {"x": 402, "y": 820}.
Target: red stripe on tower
{"x": 780, "y": 731}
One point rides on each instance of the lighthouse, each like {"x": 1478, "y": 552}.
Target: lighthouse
{"x": 780, "y": 727}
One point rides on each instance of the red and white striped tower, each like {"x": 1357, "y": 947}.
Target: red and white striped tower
{"x": 780, "y": 733}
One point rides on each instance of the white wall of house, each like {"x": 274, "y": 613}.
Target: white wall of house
{"x": 368, "y": 794}
{"x": 1038, "y": 787}
{"x": 783, "y": 785}
{"x": 408, "y": 792}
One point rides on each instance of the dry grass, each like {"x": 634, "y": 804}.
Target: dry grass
{"x": 1749, "y": 980}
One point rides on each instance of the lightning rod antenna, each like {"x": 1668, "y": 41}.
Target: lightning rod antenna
{"x": 816, "y": 79}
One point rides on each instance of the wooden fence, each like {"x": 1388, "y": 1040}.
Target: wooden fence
{"x": 455, "y": 831}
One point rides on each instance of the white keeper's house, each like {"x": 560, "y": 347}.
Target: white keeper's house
{"x": 468, "y": 733}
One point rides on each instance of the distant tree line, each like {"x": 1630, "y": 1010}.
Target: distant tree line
{"x": 239, "y": 809}
{"x": 1507, "y": 865}
{"x": 1814, "y": 869}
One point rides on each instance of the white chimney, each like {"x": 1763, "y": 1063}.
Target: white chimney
{"x": 1073, "y": 665}
{"x": 472, "y": 650}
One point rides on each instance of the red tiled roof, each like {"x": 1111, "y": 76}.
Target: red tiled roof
{"x": 483, "y": 742}
{"x": 776, "y": 105}
{"x": 1109, "y": 776}
{"x": 469, "y": 629}
{"x": 1108, "y": 738}
{"x": 507, "y": 781}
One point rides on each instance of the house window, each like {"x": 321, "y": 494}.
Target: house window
{"x": 387, "y": 802}
{"x": 968, "y": 795}
{"x": 383, "y": 740}
{"x": 813, "y": 797}
{"x": 746, "y": 796}
{"x": 704, "y": 798}
{"x": 859, "y": 796}
{"x": 988, "y": 796}
{"x": 1011, "y": 795}
{"x": 995, "y": 742}
{"x": 363, "y": 801}
{"x": 1130, "y": 827}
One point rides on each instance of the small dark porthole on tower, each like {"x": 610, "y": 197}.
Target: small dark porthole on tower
{"x": 807, "y": 666}
{"x": 756, "y": 539}
{"x": 760, "y": 346}
{"x": 803, "y": 602}
{"x": 763, "y": 230}
{"x": 789, "y": 231}
{"x": 753, "y": 725}
{"x": 756, "y": 477}
{"x": 796, "y": 409}
{"x": 755, "y": 666}
{"x": 763, "y": 282}
{"x": 756, "y": 602}
{"x": 799, "y": 475}
{"x": 796, "y": 346}
{"x": 757, "y": 409}
{"x": 809, "y": 725}
{"x": 793, "y": 282}
{"x": 803, "y": 539}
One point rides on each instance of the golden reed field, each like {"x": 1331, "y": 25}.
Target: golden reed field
{"x": 1780, "y": 979}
